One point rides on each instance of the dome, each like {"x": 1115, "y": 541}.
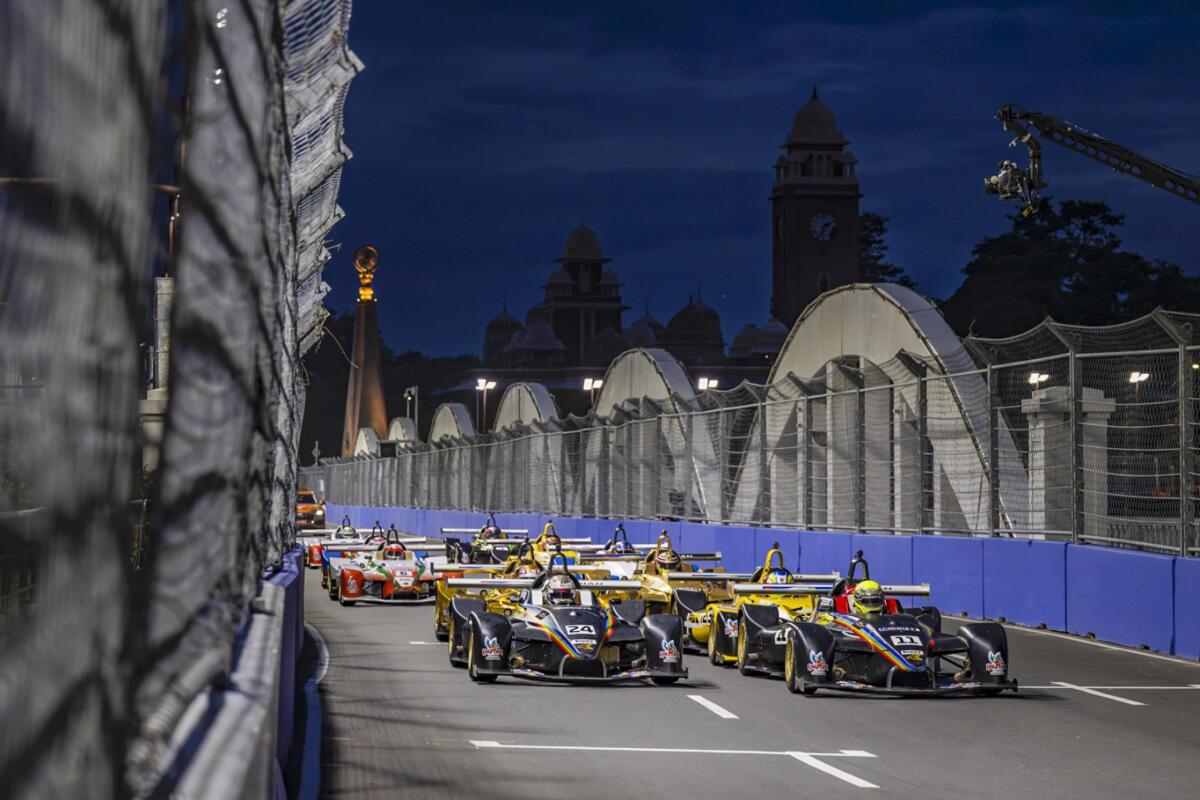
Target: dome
{"x": 609, "y": 278}
{"x": 814, "y": 123}
{"x": 582, "y": 245}
{"x": 769, "y": 338}
{"x": 644, "y": 331}
{"x": 560, "y": 277}
{"x": 504, "y": 321}
{"x": 697, "y": 318}
{"x": 540, "y": 336}
{"x": 744, "y": 341}
{"x": 536, "y": 312}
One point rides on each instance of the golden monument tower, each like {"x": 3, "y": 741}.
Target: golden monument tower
{"x": 365, "y": 406}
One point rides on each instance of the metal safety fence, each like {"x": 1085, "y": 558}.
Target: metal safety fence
{"x": 1056, "y": 433}
{"x": 201, "y": 140}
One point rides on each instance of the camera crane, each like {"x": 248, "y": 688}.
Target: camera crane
{"x": 1014, "y": 183}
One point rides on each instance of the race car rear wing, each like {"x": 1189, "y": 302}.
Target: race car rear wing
{"x": 527, "y": 583}
{"x": 908, "y": 590}
{"x": 782, "y": 588}
{"x": 601, "y": 556}
{"x": 718, "y": 577}
{"x": 476, "y": 530}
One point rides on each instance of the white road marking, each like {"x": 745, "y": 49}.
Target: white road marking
{"x": 423, "y": 642}
{"x": 1086, "y": 690}
{"x": 1190, "y": 686}
{"x": 1081, "y": 640}
{"x": 810, "y": 759}
{"x": 853, "y": 780}
{"x": 322, "y": 651}
{"x": 713, "y": 707}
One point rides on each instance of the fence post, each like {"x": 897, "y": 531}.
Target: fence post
{"x": 764, "y": 477}
{"x": 993, "y": 418}
{"x": 1187, "y": 455}
{"x": 689, "y": 462}
{"x": 602, "y": 488}
{"x": 860, "y": 471}
{"x": 1076, "y": 446}
{"x": 807, "y": 489}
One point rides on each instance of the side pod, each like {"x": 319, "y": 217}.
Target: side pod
{"x": 987, "y": 646}
{"x": 630, "y": 611}
{"x": 491, "y": 636}
{"x": 664, "y": 648}
{"x": 811, "y": 648}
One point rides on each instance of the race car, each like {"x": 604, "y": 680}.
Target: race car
{"x": 662, "y": 572}
{"x": 861, "y": 640}
{"x": 309, "y": 512}
{"x": 525, "y": 563}
{"x": 762, "y": 602}
{"x": 489, "y": 544}
{"x": 345, "y": 537}
{"x": 400, "y": 571}
{"x": 557, "y": 630}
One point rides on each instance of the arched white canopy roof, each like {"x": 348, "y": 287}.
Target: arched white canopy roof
{"x": 366, "y": 443}
{"x": 643, "y": 372}
{"x": 525, "y": 403}
{"x": 402, "y": 429}
{"x": 450, "y": 419}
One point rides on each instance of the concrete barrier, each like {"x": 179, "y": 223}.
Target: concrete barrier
{"x": 1121, "y": 596}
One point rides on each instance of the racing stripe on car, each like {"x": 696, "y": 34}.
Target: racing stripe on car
{"x": 877, "y": 643}
{"x": 564, "y": 643}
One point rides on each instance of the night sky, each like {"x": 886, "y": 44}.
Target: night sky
{"x": 483, "y": 132}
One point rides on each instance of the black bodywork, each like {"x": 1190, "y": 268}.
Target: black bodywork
{"x": 583, "y": 643}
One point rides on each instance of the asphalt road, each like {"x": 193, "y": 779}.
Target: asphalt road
{"x": 398, "y": 721}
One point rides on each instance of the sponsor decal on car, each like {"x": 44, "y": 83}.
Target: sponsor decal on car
{"x": 818, "y": 667}
{"x": 730, "y": 626}
{"x": 351, "y": 584}
{"x": 491, "y": 650}
{"x": 995, "y": 664}
{"x": 668, "y": 653}
{"x": 914, "y": 656}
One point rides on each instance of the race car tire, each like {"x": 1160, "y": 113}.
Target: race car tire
{"x": 663, "y": 680}
{"x": 450, "y": 639}
{"x": 714, "y": 657}
{"x": 441, "y": 635}
{"x": 743, "y": 648}
{"x": 472, "y": 668}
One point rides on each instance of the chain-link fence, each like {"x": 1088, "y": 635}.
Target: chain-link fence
{"x": 1086, "y": 434}
{"x": 203, "y": 139}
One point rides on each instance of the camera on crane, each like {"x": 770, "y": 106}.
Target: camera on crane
{"x": 1010, "y": 183}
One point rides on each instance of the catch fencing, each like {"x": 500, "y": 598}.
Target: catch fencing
{"x": 202, "y": 140}
{"x": 1071, "y": 433}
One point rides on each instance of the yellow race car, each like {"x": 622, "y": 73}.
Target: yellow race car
{"x": 670, "y": 581}
{"x": 768, "y": 597}
{"x": 529, "y": 560}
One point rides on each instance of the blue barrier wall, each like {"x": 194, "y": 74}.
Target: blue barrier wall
{"x": 1122, "y": 596}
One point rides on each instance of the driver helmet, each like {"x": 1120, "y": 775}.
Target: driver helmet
{"x": 394, "y": 552}
{"x": 776, "y": 576}
{"x": 620, "y": 546}
{"x": 489, "y": 532}
{"x": 560, "y": 590}
{"x": 668, "y": 561}
{"x": 867, "y": 599}
{"x": 552, "y": 541}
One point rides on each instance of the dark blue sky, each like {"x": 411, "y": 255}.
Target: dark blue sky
{"x": 483, "y": 132}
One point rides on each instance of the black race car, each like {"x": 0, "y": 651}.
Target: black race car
{"x": 894, "y": 652}
{"x": 516, "y": 630}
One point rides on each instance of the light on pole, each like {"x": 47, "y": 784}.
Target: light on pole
{"x": 482, "y": 385}
{"x": 1137, "y": 379}
{"x": 412, "y": 406}
{"x": 707, "y": 383}
{"x": 590, "y": 385}
{"x": 1036, "y": 379}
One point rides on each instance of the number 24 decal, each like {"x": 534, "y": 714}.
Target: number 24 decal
{"x": 903, "y": 640}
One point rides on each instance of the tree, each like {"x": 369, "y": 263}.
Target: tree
{"x": 872, "y": 252}
{"x": 1065, "y": 263}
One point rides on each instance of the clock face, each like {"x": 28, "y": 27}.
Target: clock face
{"x": 822, "y": 227}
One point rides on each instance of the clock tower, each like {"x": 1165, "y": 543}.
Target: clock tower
{"x": 814, "y": 209}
